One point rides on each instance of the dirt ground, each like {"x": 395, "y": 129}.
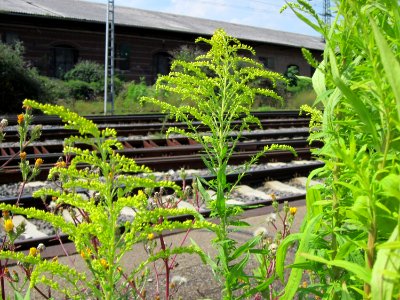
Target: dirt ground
{"x": 200, "y": 283}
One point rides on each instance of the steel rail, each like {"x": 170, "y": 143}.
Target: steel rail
{"x": 142, "y": 118}
{"x": 59, "y": 133}
{"x": 166, "y": 158}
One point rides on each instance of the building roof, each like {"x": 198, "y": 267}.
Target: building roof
{"x": 96, "y": 12}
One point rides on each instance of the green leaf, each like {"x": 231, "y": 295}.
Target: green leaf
{"x": 245, "y": 247}
{"x": 258, "y": 289}
{"x": 390, "y": 63}
{"x": 281, "y": 253}
{"x": 391, "y": 185}
{"x": 296, "y": 274}
{"x": 318, "y": 80}
{"x": 359, "y": 271}
{"x": 387, "y": 259}
{"x": 354, "y": 100}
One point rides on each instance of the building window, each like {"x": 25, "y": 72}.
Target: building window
{"x": 122, "y": 57}
{"x": 268, "y": 62}
{"x": 9, "y": 38}
{"x": 161, "y": 63}
{"x": 64, "y": 59}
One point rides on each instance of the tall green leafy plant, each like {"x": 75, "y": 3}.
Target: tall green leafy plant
{"x": 221, "y": 84}
{"x": 350, "y": 241}
{"x": 108, "y": 178}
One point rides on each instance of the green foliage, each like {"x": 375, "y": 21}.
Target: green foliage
{"x": 222, "y": 85}
{"x": 291, "y": 74}
{"x": 132, "y": 92}
{"x": 87, "y": 71}
{"x": 358, "y": 85}
{"x": 83, "y": 90}
{"x": 18, "y": 79}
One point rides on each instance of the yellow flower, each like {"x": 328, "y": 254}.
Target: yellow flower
{"x": 61, "y": 164}
{"x": 22, "y": 155}
{"x": 8, "y": 225}
{"x": 27, "y": 107}
{"x": 293, "y": 210}
{"x": 38, "y": 162}
{"x": 104, "y": 263}
{"x": 150, "y": 236}
{"x": 304, "y": 284}
{"x": 86, "y": 253}
{"x": 32, "y": 251}
{"x": 20, "y": 118}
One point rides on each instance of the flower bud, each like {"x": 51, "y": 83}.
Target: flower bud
{"x": 8, "y": 225}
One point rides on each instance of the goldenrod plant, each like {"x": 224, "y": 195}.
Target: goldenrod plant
{"x": 350, "y": 245}
{"x": 108, "y": 178}
{"x": 221, "y": 85}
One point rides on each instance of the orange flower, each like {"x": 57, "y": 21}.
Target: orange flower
{"x": 293, "y": 210}
{"x": 32, "y": 251}
{"x": 22, "y": 155}
{"x": 20, "y": 118}
{"x": 8, "y": 225}
{"x": 38, "y": 162}
{"x": 6, "y": 214}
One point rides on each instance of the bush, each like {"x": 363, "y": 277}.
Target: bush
{"x": 18, "y": 80}
{"x": 87, "y": 71}
{"x": 82, "y": 90}
{"x": 54, "y": 89}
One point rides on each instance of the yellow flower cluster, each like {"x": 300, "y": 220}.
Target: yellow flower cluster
{"x": 293, "y": 210}
{"x": 8, "y": 225}
{"x": 33, "y": 251}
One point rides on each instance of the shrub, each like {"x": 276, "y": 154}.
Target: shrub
{"x": 87, "y": 71}
{"x": 82, "y": 90}
{"x": 54, "y": 89}
{"x": 18, "y": 80}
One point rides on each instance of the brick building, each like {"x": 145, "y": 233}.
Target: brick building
{"x": 58, "y": 33}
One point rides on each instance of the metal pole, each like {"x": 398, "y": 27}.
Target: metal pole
{"x": 106, "y": 64}
{"x": 112, "y": 54}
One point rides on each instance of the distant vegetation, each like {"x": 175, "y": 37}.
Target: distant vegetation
{"x": 82, "y": 88}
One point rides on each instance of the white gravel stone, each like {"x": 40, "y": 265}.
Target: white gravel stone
{"x": 245, "y": 190}
{"x": 302, "y": 181}
{"x": 31, "y": 230}
{"x": 281, "y": 187}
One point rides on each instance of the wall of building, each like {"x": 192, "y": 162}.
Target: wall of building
{"x": 137, "y": 49}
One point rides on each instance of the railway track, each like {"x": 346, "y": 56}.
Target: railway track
{"x": 272, "y": 178}
{"x": 180, "y": 153}
{"x": 162, "y": 154}
{"x": 144, "y": 124}
{"x": 143, "y": 118}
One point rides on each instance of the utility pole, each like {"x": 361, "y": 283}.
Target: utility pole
{"x": 327, "y": 12}
{"x": 109, "y": 58}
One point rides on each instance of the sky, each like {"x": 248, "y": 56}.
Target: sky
{"x": 259, "y": 13}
